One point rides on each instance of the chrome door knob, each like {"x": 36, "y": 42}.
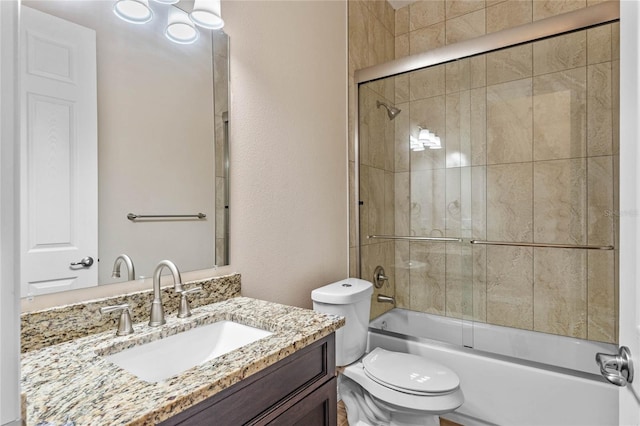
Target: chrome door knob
{"x": 85, "y": 262}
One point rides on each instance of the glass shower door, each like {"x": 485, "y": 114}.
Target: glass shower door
{"x": 488, "y": 190}
{"x": 411, "y": 214}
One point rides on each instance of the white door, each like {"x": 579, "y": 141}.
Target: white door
{"x": 58, "y": 188}
{"x": 629, "y": 321}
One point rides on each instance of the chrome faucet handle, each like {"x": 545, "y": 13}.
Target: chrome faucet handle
{"x": 124, "y": 323}
{"x": 379, "y": 277}
{"x": 185, "y": 311}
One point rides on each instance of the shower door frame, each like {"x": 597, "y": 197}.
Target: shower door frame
{"x": 580, "y": 20}
{"x": 560, "y": 24}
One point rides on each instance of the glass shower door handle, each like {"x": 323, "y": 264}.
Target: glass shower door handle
{"x": 616, "y": 368}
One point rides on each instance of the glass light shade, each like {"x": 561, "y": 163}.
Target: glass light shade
{"x": 134, "y": 11}
{"x": 167, "y": 1}
{"x": 206, "y": 13}
{"x": 415, "y": 145}
{"x": 180, "y": 29}
{"x": 426, "y": 137}
{"x": 437, "y": 144}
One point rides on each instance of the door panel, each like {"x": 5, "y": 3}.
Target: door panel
{"x": 59, "y": 154}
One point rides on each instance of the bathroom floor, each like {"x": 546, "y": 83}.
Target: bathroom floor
{"x": 342, "y": 417}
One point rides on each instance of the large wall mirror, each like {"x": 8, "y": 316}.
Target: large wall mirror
{"x": 117, "y": 120}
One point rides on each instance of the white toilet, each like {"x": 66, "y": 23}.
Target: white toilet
{"x": 384, "y": 387}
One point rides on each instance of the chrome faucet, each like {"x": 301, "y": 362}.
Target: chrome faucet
{"x": 157, "y": 312}
{"x": 131, "y": 270}
{"x": 381, "y": 298}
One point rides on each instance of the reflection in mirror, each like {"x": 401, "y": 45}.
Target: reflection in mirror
{"x": 117, "y": 119}
{"x": 221, "y": 100}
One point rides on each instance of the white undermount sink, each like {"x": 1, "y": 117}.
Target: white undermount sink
{"x": 158, "y": 360}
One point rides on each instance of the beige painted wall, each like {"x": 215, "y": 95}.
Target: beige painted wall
{"x": 289, "y": 146}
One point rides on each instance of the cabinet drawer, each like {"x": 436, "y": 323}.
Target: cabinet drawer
{"x": 318, "y": 409}
{"x": 266, "y": 391}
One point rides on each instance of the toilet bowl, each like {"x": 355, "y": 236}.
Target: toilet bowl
{"x": 383, "y": 387}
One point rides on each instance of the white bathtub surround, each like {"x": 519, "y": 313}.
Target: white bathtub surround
{"x": 551, "y": 349}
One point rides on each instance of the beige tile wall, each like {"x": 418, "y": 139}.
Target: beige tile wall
{"x": 530, "y": 145}
{"x": 538, "y": 140}
{"x": 371, "y": 42}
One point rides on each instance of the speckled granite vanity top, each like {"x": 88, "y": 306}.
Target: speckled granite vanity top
{"x": 72, "y": 379}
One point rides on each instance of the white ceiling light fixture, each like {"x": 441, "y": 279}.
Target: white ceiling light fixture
{"x": 133, "y": 11}
{"x": 206, "y": 14}
{"x": 167, "y": 1}
{"x": 180, "y": 29}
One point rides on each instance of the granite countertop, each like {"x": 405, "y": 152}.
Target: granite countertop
{"x": 71, "y": 380}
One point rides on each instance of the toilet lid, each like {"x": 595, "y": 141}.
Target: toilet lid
{"x": 409, "y": 373}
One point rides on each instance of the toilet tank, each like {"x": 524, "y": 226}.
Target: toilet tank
{"x": 350, "y": 298}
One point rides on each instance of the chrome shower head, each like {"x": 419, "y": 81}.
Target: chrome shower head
{"x": 391, "y": 110}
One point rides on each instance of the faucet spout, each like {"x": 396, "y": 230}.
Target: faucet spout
{"x": 131, "y": 270}
{"x": 381, "y": 298}
{"x": 157, "y": 311}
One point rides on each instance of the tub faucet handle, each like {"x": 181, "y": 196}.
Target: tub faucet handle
{"x": 379, "y": 277}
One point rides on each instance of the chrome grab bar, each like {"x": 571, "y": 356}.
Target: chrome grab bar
{"x": 616, "y": 368}
{"x": 490, "y": 243}
{"x": 412, "y": 238}
{"x": 133, "y": 216}
{"x": 513, "y": 244}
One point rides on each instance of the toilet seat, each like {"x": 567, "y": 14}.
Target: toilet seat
{"x": 409, "y": 373}
{"x": 391, "y": 392}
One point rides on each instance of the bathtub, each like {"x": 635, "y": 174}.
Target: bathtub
{"x": 508, "y": 376}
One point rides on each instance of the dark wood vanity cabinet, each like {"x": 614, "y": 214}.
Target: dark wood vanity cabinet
{"x": 298, "y": 390}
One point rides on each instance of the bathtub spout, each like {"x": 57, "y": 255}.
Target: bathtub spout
{"x": 381, "y": 298}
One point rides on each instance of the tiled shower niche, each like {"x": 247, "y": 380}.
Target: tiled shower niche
{"x": 529, "y": 154}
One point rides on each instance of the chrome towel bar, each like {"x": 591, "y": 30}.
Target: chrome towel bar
{"x": 412, "y": 238}
{"x": 489, "y": 243}
{"x": 133, "y": 216}
{"x": 569, "y": 246}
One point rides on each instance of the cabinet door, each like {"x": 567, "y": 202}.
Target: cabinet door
{"x": 320, "y": 408}
{"x": 264, "y": 397}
